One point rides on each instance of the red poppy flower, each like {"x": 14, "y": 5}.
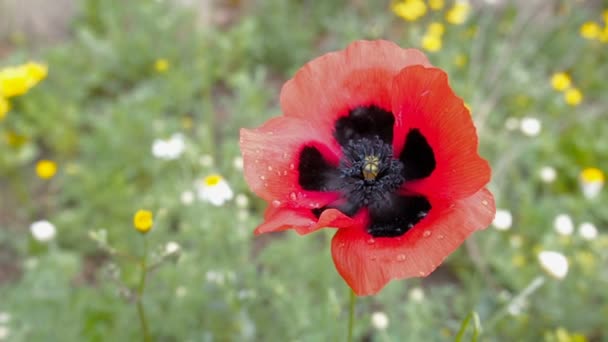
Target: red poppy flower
{"x": 374, "y": 142}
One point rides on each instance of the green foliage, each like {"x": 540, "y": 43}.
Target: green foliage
{"x": 104, "y": 104}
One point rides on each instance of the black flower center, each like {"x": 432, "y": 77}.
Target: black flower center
{"x": 369, "y": 176}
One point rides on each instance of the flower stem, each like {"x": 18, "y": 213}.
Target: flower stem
{"x": 351, "y": 315}
{"x": 140, "y": 293}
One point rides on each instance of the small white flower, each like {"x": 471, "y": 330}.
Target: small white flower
{"x": 242, "y": 201}
{"x": 379, "y": 320}
{"x": 512, "y": 123}
{"x": 172, "y": 247}
{"x": 214, "y": 189}
{"x": 206, "y": 160}
{"x": 4, "y": 332}
{"x": 187, "y": 197}
{"x": 547, "y": 174}
{"x": 503, "y": 219}
{"x": 169, "y": 149}
{"x": 181, "y": 291}
{"x": 563, "y": 224}
{"x": 43, "y": 231}
{"x": 554, "y": 263}
{"x": 416, "y": 294}
{"x": 215, "y": 277}
{"x": 238, "y": 163}
{"x": 5, "y": 317}
{"x": 530, "y": 126}
{"x": 587, "y": 231}
{"x": 592, "y": 182}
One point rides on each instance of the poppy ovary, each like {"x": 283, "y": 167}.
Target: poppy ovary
{"x": 369, "y": 171}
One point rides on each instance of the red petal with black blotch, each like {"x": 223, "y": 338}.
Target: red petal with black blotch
{"x": 331, "y": 85}
{"x": 367, "y": 264}
{"x": 422, "y": 99}
{"x": 303, "y": 221}
{"x": 271, "y": 156}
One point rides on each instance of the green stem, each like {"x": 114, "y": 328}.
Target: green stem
{"x": 140, "y": 293}
{"x": 351, "y": 315}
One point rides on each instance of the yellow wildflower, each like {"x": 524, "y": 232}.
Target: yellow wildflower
{"x": 410, "y": 10}
{"x": 431, "y": 43}
{"x": 590, "y": 30}
{"x": 605, "y": 16}
{"x": 161, "y": 65}
{"x": 5, "y": 106}
{"x": 436, "y": 29}
{"x": 14, "y": 139}
{"x": 14, "y": 81}
{"x": 603, "y": 36}
{"x": 561, "y": 81}
{"x": 36, "y": 72}
{"x": 592, "y": 175}
{"x": 458, "y": 13}
{"x": 573, "y": 97}
{"x": 46, "y": 169}
{"x": 143, "y": 220}
{"x": 460, "y": 60}
{"x": 436, "y": 5}
{"x": 518, "y": 260}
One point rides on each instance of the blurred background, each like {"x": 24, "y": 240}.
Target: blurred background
{"x": 108, "y": 107}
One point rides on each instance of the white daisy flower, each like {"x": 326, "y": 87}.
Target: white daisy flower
{"x": 554, "y": 263}
{"x": 547, "y": 174}
{"x": 43, "y": 231}
{"x": 237, "y": 162}
{"x": 379, "y": 320}
{"x": 242, "y": 201}
{"x": 503, "y": 219}
{"x": 172, "y": 247}
{"x": 416, "y": 294}
{"x": 592, "y": 182}
{"x": 530, "y": 126}
{"x": 563, "y": 225}
{"x": 169, "y": 149}
{"x": 587, "y": 231}
{"x": 187, "y": 197}
{"x": 214, "y": 189}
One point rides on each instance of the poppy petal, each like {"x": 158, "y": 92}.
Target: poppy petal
{"x": 303, "y": 221}
{"x": 423, "y": 102}
{"x": 271, "y": 156}
{"x": 331, "y": 85}
{"x": 367, "y": 264}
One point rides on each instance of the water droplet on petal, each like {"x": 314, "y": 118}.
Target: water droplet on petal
{"x": 262, "y": 177}
{"x": 276, "y": 203}
{"x": 401, "y": 257}
{"x": 421, "y": 273}
{"x": 371, "y": 241}
{"x": 269, "y": 168}
{"x": 342, "y": 244}
{"x": 285, "y": 173}
{"x": 484, "y": 202}
{"x": 426, "y": 233}
{"x": 440, "y": 237}
{"x": 293, "y": 196}
{"x": 292, "y": 166}
{"x": 285, "y": 155}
